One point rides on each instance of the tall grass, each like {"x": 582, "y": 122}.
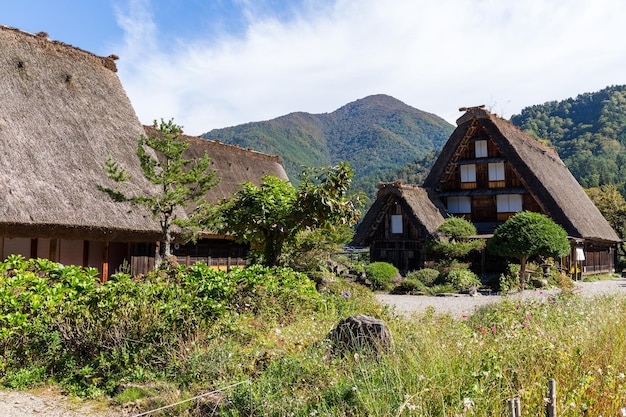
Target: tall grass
{"x": 183, "y": 332}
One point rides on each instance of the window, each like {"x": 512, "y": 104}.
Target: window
{"x": 496, "y": 171}
{"x": 468, "y": 173}
{"x": 509, "y": 203}
{"x": 481, "y": 148}
{"x": 396, "y": 223}
{"x": 459, "y": 205}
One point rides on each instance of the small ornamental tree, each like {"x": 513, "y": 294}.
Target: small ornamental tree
{"x": 269, "y": 215}
{"x": 180, "y": 182}
{"x": 528, "y": 234}
{"x": 454, "y": 238}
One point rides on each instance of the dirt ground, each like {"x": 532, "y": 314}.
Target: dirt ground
{"x": 50, "y": 402}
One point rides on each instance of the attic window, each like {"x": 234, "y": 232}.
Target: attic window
{"x": 481, "y": 148}
{"x": 396, "y": 223}
{"x": 468, "y": 173}
{"x": 68, "y": 78}
{"x": 20, "y": 64}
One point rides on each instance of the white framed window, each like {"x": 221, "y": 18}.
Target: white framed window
{"x": 459, "y": 205}
{"x": 509, "y": 203}
{"x": 496, "y": 171}
{"x": 481, "y": 148}
{"x": 468, "y": 173}
{"x": 396, "y": 223}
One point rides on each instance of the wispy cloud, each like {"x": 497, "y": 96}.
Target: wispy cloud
{"x": 435, "y": 56}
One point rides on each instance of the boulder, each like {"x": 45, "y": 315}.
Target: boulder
{"x": 361, "y": 333}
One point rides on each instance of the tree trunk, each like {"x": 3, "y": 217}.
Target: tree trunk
{"x": 522, "y": 272}
{"x": 166, "y": 247}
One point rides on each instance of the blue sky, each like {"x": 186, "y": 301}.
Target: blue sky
{"x": 218, "y": 63}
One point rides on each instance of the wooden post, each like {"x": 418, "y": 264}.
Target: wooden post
{"x": 515, "y": 407}
{"x": 105, "y": 262}
{"x": 551, "y": 405}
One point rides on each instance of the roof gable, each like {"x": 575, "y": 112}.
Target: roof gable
{"x": 417, "y": 202}
{"x": 543, "y": 173}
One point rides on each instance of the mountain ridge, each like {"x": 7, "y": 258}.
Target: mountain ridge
{"x": 377, "y": 134}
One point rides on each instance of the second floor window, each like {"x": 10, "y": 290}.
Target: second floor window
{"x": 459, "y": 205}
{"x": 509, "y": 203}
{"x": 468, "y": 173}
{"x": 496, "y": 171}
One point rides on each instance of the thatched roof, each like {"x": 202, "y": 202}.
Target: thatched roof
{"x": 61, "y": 111}
{"x": 541, "y": 170}
{"x": 234, "y": 165}
{"x": 415, "y": 201}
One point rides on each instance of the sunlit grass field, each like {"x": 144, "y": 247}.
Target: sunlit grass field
{"x": 179, "y": 333}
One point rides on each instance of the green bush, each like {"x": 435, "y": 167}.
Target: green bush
{"x": 410, "y": 286}
{"x": 427, "y": 276}
{"x": 381, "y": 275}
{"x": 462, "y": 279}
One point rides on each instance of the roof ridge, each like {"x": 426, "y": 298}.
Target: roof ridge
{"x": 107, "y": 62}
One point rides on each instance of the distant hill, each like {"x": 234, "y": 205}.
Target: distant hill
{"x": 588, "y": 132}
{"x": 378, "y": 135}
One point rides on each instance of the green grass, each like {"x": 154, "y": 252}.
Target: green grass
{"x": 270, "y": 328}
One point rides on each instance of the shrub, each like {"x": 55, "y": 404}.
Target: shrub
{"x": 427, "y": 276}
{"x": 380, "y": 275}
{"x": 410, "y": 286}
{"x": 462, "y": 279}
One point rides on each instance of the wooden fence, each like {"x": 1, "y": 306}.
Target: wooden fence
{"x": 141, "y": 265}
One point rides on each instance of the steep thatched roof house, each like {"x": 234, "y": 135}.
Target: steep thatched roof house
{"x": 400, "y": 221}
{"x": 62, "y": 110}
{"x": 489, "y": 170}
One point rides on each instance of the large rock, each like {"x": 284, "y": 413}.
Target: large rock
{"x": 361, "y": 333}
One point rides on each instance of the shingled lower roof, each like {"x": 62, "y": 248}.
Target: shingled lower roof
{"x": 540, "y": 169}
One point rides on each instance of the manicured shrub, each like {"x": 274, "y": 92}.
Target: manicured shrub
{"x": 410, "y": 286}
{"x": 462, "y": 279}
{"x": 381, "y": 275}
{"x": 427, "y": 276}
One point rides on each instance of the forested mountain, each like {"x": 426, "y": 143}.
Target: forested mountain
{"x": 378, "y": 135}
{"x": 588, "y": 132}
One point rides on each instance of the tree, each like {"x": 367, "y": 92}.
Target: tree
{"x": 528, "y": 234}
{"x": 270, "y": 214}
{"x": 180, "y": 182}
{"x": 454, "y": 238}
{"x": 612, "y": 205}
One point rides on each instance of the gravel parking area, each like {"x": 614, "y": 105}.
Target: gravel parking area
{"x": 463, "y": 305}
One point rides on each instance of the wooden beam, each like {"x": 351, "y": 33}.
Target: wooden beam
{"x": 105, "y": 262}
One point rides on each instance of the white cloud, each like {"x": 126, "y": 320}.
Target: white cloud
{"x": 436, "y": 56}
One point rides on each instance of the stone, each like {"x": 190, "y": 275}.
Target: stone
{"x": 361, "y": 333}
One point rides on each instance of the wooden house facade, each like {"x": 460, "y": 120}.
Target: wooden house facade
{"x": 489, "y": 170}
{"x": 400, "y": 221}
{"x": 63, "y": 110}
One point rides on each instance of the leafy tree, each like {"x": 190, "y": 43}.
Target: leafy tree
{"x": 528, "y": 234}
{"x": 270, "y": 214}
{"x": 453, "y": 238}
{"x": 180, "y": 182}
{"x": 612, "y": 206}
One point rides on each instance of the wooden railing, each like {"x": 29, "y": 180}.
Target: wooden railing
{"x": 141, "y": 265}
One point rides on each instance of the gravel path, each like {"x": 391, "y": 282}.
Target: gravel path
{"x": 461, "y": 305}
